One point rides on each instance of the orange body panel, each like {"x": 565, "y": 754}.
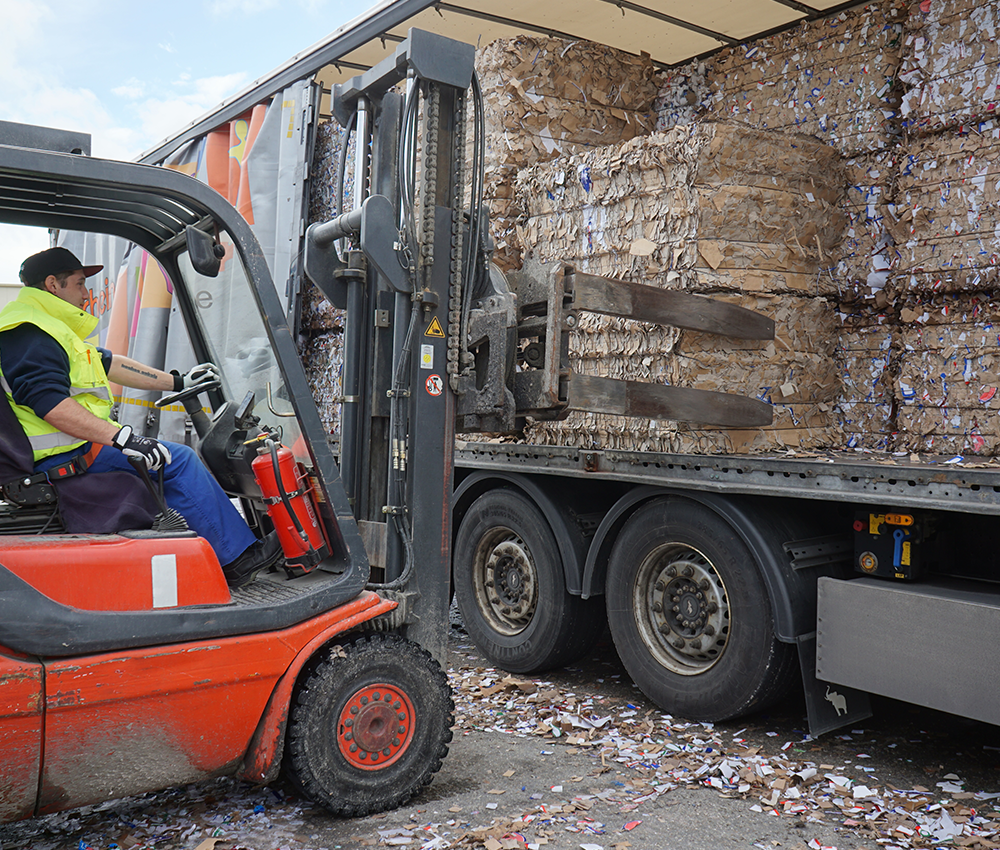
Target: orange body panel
{"x": 124, "y": 723}
{"x": 20, "y": 735}
{"x": 108, "y": 572}
{"x": 263, "y": 757}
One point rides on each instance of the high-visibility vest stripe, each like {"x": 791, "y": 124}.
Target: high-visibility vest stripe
{"x": 54, "y": 440}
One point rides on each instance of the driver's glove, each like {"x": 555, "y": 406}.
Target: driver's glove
{"x": 203, "y": 373}
{"x": 153, "y": 452}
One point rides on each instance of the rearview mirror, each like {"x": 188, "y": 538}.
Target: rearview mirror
{"x": 205, "y": 253}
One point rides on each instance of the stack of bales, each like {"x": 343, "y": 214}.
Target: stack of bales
{"x": 836, "y": 79}
{"x": 947, "y": 216}
{"x": 741, "y": 214}
{"x": 885, "y": 340}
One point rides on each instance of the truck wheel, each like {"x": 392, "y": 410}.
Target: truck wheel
{"x": 690, "y": 615}
{"x": 511, "y": 591}
{"x": 369, "y": 727}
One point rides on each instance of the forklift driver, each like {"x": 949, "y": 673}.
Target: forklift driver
{"x": 58, "y": 386}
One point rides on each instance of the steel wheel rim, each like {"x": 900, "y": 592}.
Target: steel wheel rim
{"x": 682, "y": 609}
{"x": 375, "y": 726}
{"x": 505, "y": 581}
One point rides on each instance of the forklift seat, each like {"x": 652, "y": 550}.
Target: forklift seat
{"x": 99, "y": 503}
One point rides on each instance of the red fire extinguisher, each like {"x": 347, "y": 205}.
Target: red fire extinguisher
{"x": 289, "y": 501}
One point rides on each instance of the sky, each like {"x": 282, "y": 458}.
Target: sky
{"x": 132, "y": 72}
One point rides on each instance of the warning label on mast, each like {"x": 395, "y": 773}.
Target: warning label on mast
{"x": 434, "y": 329}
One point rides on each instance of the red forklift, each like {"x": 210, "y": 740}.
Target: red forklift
{"x": 126, "y": 662}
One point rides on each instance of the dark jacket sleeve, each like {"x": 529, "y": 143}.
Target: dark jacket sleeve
{"x": 106, "y": 356}
{"x": 36, "y": 368}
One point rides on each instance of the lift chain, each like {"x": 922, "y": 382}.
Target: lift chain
{"x": 455, "y": 342}
{"x": 432, "y": 105}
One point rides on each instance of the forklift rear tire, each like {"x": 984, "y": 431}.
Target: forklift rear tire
{"x": 690, "y": 615}
{"x": 370, "y": 726}
{"x": 511, "y": 590}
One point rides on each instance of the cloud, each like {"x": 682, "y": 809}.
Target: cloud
{"x": 169, "y": 48}
{"x": 227, "y": 8}
{"x": 136, "y": 113}
{"x": 131, "y": 90}
{"x": 16, "y": 243}
{"x": 222, "y": 8}
{"x": 163, "y": 116}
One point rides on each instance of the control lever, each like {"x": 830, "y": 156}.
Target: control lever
{"x": 167, "y": 519}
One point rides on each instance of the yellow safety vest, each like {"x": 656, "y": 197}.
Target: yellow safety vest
{"x": 69, "y": 326}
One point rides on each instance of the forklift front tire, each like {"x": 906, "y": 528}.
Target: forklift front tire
{"x": 369, "y": 726}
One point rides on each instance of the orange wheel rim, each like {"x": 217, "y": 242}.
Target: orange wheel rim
{"x": 375, "y": 726}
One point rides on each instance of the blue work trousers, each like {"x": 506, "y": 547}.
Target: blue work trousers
{"x": 190, "y": 489}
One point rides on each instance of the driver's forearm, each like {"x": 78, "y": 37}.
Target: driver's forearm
{"x": 73, "y": 418}
{"x": 132, "y": 373}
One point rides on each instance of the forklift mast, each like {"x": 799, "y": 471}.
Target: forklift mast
{"x": 399, "y": 281}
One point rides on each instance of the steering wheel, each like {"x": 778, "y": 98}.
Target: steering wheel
{"x": 190, "y": 392}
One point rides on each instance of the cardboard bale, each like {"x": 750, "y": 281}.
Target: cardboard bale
{"x": 803, "y": 426}
{"x": 316, "y": 313}
{"x": 954, "y": 365}
{"x": 682, "y": 96}
{"x": 544, "y": 98}
{"x": 708, "y": 207}
{"x": 795, "y": 372}
{"x": 947, "y": 431}
{"x": 323, "y": 358}
{"x": 547, "y": 97}
{"x": 951, "y": 64}
{"x": 866, "y": 357}
{"x": 863, "y": 259}
{"x": 947, "y": 212}
{"x": 948, "y": 386}
{"x": 321, "y": 324}
{"x": 832, "y": 78}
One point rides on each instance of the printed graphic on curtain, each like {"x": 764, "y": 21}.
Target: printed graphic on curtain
{"x": 258, "y": 163}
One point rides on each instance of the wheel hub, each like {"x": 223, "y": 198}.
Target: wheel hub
{"x": 686, "y": 604}
{"x": 509, "y": 579}
{"x": 375, "y": 726}
{"x": 685, "y": 619}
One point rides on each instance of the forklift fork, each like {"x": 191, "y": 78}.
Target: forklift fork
{"x": 549, "y": 301}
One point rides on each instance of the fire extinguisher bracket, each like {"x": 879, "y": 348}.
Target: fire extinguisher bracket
{"x": 278, "y": 500}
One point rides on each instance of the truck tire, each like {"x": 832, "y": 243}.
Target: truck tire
{"x": 369, "y": 727}
{"x": 511, "y": 590}
{"x": 690, "y": 615}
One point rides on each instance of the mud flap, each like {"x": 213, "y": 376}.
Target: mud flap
{"x": 828, "y": 706}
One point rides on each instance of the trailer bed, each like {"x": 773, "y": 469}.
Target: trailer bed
{"x": 933, "y": 483}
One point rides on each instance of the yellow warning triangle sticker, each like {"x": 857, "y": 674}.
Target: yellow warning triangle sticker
{"x": 434, "y": 329}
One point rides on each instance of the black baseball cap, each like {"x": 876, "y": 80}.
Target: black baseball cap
{"x": 39, "y": 266}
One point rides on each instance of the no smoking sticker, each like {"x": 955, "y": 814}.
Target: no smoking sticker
{"x": 434, "y": 385}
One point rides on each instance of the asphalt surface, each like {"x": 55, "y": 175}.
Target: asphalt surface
{"x": 520, "y": 787}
